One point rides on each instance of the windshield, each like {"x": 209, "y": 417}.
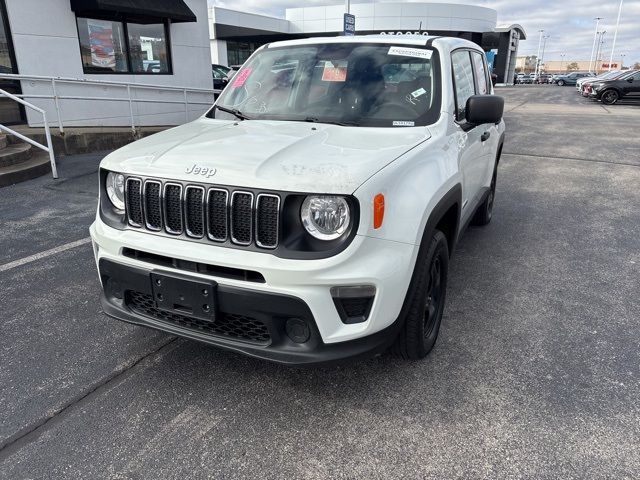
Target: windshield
{"x": 352, "y": 84}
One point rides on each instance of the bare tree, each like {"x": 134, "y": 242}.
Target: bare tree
{"x": 572, "y": 67}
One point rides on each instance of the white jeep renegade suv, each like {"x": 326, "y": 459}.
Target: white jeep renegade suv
{"x": 309, "y": 216}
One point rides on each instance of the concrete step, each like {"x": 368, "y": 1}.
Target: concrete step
{"x": 4, "y": 141}
{"x": 15, "y": 154}
{"x": 34, "y": 167}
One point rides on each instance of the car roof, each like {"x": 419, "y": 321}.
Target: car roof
{"x": 409, "y": 39}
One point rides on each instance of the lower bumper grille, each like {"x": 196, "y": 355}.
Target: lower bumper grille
{"x": 239, "y": 327}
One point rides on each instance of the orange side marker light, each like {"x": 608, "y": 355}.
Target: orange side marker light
{"x": 378, "y": 210}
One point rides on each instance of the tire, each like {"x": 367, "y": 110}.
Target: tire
{"x": 425, "y": 300}
{"x": 484, "y": 213}
{"x": 561, "y": 83}
{"x": 609, "y": 97}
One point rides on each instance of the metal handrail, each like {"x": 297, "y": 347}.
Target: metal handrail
{"x": 49, "y": 147}
{"x": 128, "y": 85}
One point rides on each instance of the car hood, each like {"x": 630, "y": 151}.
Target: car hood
{"x": 273, "y": 155}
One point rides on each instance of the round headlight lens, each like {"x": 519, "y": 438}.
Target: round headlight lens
{"x": 115, "y": 189}
{"x": 325, "y": 217}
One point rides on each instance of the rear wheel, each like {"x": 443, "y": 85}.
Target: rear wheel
{"x": 609, "y": 97}
{"x": 425, "y": 300}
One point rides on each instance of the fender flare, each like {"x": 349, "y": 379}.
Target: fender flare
{"x": 450, "y": 199}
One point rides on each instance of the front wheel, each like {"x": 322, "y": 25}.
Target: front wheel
{"x": 609, "y": 97}
{"x": 561, "y": 83}
{"x": 425, "y": 300}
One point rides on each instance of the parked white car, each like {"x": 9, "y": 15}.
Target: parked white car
{"x": 310, "y": 215}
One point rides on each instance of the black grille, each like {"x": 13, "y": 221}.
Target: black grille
{"x": 267, "y": 212}
{"x": 217, "y": 204}
{"x": 241, "y": 218}
{"x": 152, "y": 208}
{"x": 134, "y": 201}
{"x": 226, "y": 325}
{"x": 173, "y": 207}
{"x": 195, "y": 211}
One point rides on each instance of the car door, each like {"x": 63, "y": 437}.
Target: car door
{"x": 632, "y": 86}
{"x": 489, "y": 133}
{"x": 468, "y": 139}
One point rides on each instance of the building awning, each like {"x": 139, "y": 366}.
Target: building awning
{"x": 143, "y": 10}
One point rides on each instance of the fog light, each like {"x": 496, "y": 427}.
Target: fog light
{"x": 297, "y": 330}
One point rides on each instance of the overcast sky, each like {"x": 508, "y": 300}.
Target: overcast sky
{"x": 569, "y": 23}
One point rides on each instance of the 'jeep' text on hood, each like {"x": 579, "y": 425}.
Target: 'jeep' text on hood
{"x": 290, "y": 156}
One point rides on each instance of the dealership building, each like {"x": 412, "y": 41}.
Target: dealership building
{"x": 235, "y": 35}
{"x": 105, "y": 62}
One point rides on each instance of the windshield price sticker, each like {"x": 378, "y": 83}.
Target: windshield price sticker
{"x": 418, "y": 93}
{"x": 241, "y": 78}
{"x": 335, "y": 71}
{"x": 410, "y": 52}
{"x": 404, "y": 124}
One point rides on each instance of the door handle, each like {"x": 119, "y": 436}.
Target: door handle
{"x": 485, "y": 136}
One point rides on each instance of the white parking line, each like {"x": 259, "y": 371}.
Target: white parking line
{"x": 45, "y": 254}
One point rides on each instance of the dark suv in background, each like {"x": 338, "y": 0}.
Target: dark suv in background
{"x": 610, "y": 91}
{"x": 572, "y": 78}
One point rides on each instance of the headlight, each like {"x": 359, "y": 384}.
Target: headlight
{"x": 325, "y": 217}
{"x": 114, "y": 186}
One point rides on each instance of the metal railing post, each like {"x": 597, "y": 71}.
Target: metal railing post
{"x": 133, "y": 126}
{"x": 47, "y": 133}
{"x": 186, "y": 107}
{"x": 57, "y": 104}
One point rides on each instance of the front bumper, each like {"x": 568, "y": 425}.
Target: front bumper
{"x": 291, "y": 288}
{"x": 269, "y": 313}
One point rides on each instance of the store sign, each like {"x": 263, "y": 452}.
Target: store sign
{"x": 404, "y": 33}
{"x": 606, "y": 65}
{"x": 349, "y": 24}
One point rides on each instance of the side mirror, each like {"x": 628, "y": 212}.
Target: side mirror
{"x": 630, "y": 80}
{"x": 484, "y": 109}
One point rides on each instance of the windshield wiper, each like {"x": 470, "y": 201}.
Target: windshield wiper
{"x": 344, "y": 123}
{"x": 233, "y": 111}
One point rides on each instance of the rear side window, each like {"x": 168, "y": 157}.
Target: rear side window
{"x": 463, "y": 80}
{"x": 481, "y": 73}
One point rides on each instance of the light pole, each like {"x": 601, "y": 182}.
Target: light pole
{"x": 535, "y": 73}
{"x": 595, "y": 36}
{"x": 599, "y": 49}
{"x": 544, "y": 45}
{"x": 615, "y": 35}
{"x": 347, "y": 5}
{"x": 562, "y": 55}
{"x": 622, "y": 55}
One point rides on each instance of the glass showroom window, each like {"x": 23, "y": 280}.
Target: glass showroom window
{"x": 148, "y": 48}
{"x": 109, "y": 46}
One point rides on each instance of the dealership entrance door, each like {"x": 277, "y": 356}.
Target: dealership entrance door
{"x": 11, "y": 112}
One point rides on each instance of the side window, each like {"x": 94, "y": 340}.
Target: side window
{"x": 463, "y": 80}
{"x": 481, "y": 73}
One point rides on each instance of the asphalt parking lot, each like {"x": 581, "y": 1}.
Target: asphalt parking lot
{"x": 536, "y": 373}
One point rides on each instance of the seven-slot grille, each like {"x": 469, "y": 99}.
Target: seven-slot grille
{"x": 197, "y": 212}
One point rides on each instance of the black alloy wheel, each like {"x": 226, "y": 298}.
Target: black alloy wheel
{"x": 609, "y": 97}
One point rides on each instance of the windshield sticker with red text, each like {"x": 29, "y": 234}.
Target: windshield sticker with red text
{"x": 335, "y": 71}
{"x": 241, "y": 78}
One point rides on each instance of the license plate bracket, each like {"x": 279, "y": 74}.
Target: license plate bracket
{"x": 184, "y": 296}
